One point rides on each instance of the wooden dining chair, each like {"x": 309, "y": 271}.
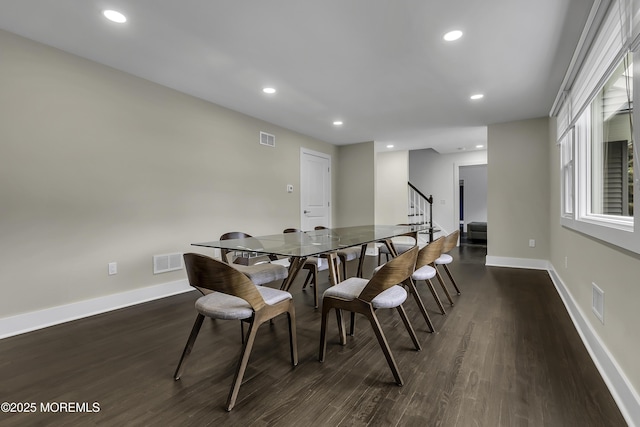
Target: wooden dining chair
{"x": 364, "y": 296}
{"x": 260, "y": 273}
{"x": 313, "y": 265}
{"x": 230, "y": 295}
{"x": 346, "y": 254}
{"x": 450, "y": 242}
{"x": 425, "y": 270}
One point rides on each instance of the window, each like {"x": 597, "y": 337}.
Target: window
{"x": 594, "y": 108}
{"x": 566, "y": 158}
{"x": 603, "y": 170}
{"x": 611, "y": 145}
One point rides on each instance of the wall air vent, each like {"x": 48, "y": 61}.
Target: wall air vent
{"x": 167, "y": 262}
{"x": 267, "y": 139}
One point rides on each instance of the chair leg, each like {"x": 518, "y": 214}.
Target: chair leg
{"x": 315, "y": 290}
{"x": 455, "y": 285}
{"x": 352, "y": 328}
{"x": 412, "y": 289}
{"x": 444, "y": 288}
{"x": 293, "y": 340}
{"x": 435, "y": 295}
{"x": 407, "y": 324}
{"x": 343, "y": 260}
{"x": 242, "y": 365}
{"x": 326, "y": 307}
{"x": 382, "y": 340}
{"x": 306, "y": 280}
{"x": 187, "y": 349}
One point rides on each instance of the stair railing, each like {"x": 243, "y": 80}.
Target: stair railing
{"x": 420, "y": 208}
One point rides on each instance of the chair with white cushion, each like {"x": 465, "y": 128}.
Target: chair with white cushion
{"x": 425, "y": 271}
{"x": 364, "y": 296}
{"x": 450, "y": 242}
{"x": 230, "y": 295}
{"x": 260, "y": 273}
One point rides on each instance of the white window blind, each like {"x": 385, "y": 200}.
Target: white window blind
{"x": 605, "y": 52}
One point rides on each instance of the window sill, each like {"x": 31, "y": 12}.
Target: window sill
{"x": 621, "y": 234}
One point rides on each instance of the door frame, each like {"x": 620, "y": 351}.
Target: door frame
{"x": 456, "y": 187}
{"x": 303, "y": 152}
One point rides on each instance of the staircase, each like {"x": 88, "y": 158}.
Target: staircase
{"x": 420, "y": 209}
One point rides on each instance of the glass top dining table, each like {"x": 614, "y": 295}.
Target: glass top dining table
{"x": 317, "y": 243}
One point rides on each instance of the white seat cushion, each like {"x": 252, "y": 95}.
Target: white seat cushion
{"x": 351, "y": 253}
{"x": 218, "y": 305}
{"x": 353, "y": 286}
{"x": 444, "y": 259}
{"x": 322, "y": 263}
{"x": 425, "y": 272}
{"x": 400, "y": 248}
{"x": 261, "y": 274}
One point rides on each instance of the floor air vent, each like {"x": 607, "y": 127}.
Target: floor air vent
{"x": 167, "y": 262}
{"x": 267, "y": 139}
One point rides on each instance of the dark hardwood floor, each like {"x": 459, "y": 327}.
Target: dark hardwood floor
{"x": 506, "y": 354}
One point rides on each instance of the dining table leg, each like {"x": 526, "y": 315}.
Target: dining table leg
{"x": 334, "y": 271}
{"x": 295, "y": 265}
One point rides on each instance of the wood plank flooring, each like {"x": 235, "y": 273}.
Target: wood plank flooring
{"x": 506, "y": 354}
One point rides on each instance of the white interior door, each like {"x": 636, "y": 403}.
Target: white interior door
{"x": 315, "y": 189}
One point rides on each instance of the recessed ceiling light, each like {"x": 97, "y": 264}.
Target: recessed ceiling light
{"x": 479, "y": 146}
{"x": 269, "y": 90}
{"x": 114, "y": 16}
{"x": 477, "y": 96}
{"x": 390, "y": 146}
{"x": 452, "y": 35}
{"x": 337, "y": 123}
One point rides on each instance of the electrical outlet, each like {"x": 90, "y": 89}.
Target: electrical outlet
{"x": 289, "y": 188}
{"x": 113, "y": 268}
{"x": 532, "y": 243}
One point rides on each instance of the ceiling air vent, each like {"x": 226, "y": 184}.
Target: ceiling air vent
{"x": 267, "y": 139}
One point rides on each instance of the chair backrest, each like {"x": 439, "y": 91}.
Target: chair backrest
{"x": 450, "y": 241}
{"x": 430, "y": 253}
{"x": 292, "y": 230}
{"x": 208, "y": 273}
{"x": 235, "y": 235}
{"x": 240, "y": 235}
{"x": 392, "y": 273}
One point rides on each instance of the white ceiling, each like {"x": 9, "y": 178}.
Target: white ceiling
{"x": 380, "y": 66}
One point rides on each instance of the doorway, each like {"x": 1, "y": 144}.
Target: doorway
{"x": 471, "y": 197}
{"x": 315, "y": 189}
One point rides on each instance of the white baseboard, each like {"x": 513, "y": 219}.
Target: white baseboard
{"x": 530, "y": 263}
{"x": 623, "y": 393}
{"x": 27, "y": 322}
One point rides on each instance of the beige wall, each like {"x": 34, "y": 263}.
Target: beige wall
{"x": 392, "y": 175}
{"x": 100, "y": 166}
{"x": 518, "y": 189}
{"x": 355, "y": 185}
{"x": 616, "y": 271}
